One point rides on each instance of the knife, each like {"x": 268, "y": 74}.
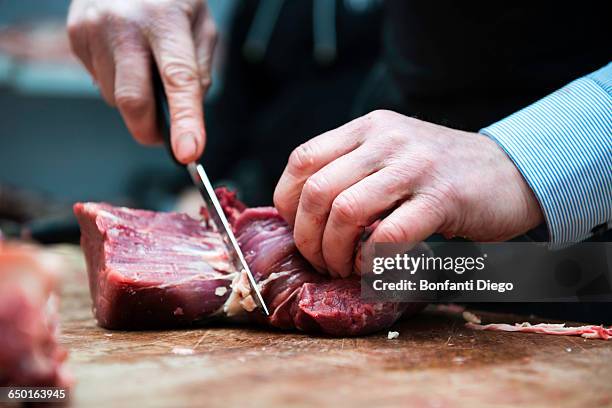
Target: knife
{"x": 201, "y": 181}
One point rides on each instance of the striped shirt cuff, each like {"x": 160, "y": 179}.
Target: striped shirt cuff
{"x": 562, "y": 145}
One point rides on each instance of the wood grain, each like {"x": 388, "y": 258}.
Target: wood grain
{"x": 435, "y": 362}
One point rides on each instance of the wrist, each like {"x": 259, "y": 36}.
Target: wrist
{"x": 511, "y": 178}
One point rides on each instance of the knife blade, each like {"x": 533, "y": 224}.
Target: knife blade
{"x": 215, "y": 211}
{"x": 202, "y": 182}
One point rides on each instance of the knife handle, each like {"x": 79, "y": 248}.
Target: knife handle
{"x": 162, "y": 111}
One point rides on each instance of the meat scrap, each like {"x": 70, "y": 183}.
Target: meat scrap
{"x": 392, "y": 335}
{"x": 144, "y": 265}
{"x": 471, "y": 317}
{"x": 29, "y": 352}
{"x": 589, "y": 332}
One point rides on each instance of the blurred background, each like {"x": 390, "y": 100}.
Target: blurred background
{"x": 60, "y": 143}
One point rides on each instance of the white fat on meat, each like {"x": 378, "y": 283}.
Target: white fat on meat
{"x": 220, "y": 290}
{"x": 240, "y": 300}
{"x": 187, "y": 279}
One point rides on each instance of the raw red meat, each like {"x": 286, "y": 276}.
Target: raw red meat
{"x": 29, "y": 352}
{"x": 589, "y": 332}
{"x": 299, "y": 296}
{"x": 150, "y": 269}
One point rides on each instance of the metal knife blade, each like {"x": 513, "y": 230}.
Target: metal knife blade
{"x": 200, "y": 179}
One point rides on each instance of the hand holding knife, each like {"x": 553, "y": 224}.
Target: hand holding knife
{"x": 201, "y": 181}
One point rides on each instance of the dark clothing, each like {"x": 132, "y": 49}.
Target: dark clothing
{"x": 468, "y": 64}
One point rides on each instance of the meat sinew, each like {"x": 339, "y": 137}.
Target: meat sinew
{"x": 149, "y": 269}
{"x": 29, "y": 352}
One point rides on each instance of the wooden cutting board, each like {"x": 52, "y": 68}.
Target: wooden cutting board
{"x": 435, "y": 362}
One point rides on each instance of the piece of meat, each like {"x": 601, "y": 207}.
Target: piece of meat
{"x": 149, "y": 269}
{"x": 29, "y": 352}
{"x": 589, "y": 332}
{"x": 299, "y": 296}
{"x": 145, "y": 265}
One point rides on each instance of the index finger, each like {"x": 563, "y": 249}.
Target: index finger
{"x": 310, "y": 157}
{"x": 174, "y": 52}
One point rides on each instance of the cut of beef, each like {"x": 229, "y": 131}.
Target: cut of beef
{"x": 29, "y": 352}
{"x": 150, "y": 269}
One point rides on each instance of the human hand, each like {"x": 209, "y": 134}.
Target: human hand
{"x": 420, "y": 178}
{"x": 118, "y": 40}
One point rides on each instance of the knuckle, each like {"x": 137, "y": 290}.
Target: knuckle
{"x": 433, "y": 204}
{"x": 376, "y": 119}
{"x": 205, "y": 79}
{"x": 210, "y": 30}
{"x": 390, "y": 231}
{"x": 157, "y": 8}
{"x": 161, "y": 15}
{"x": 420, "y": 165}
{"x": 179, "y": 75}
{"x": 183, "y": 113}
{"x": 426, "y": 163}
{"x": 399, "y": 174}
{"x": 130, "y": 102}
{"x": 346, "y": 208}
{"x": 444, "y": 191}
{"x": 447, "y": 192}
{"x": 74, "y": 29}
{"x": 381, "y": 115}
{"x": 302, "y": 158}
{"x": 90, "y": 24}
{"x": 395, "y": 139}
{"x": 112, "y": 17}
{"x": 314, "y": 193}
{"x": 127, "y": 44}
{"x": 363, "y": 124}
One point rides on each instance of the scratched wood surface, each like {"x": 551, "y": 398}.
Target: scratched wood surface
{"x": 435, "y": 362}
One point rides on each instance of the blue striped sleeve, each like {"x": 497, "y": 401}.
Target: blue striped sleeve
{"x": 562, "y": 145}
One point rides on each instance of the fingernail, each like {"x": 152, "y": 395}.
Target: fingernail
{"x": 186, "y": 146}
